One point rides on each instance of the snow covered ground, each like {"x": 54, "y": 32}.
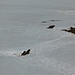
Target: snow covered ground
{"x": 21, "y": 28}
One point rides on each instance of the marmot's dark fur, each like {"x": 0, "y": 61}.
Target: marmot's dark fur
{"x": 51, "y": 27}
{"x": 25, "y": 52}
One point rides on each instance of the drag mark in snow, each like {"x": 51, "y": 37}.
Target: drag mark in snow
{"x": 10, "y": 53}
{"x": 54, "y": 44}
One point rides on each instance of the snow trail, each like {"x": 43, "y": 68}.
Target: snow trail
{"x": 54, "y": 44}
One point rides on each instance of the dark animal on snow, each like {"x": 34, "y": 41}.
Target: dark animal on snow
{"x": 54, "y": 20}
{"x": 28, "y": 51}
{"x": 25, "y": 52}
{"x": 44, "y": 21}
{"x": 71, "y": 30}
{"x": 51, "y": 27}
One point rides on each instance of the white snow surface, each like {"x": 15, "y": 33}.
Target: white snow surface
{"x": 21, "y": 28}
